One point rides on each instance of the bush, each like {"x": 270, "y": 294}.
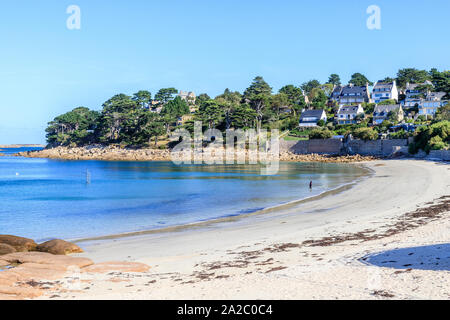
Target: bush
{"x": 436, "y": 143}
{"x": 434, "y": 137}
{"x": 321, "y": 123}
{"x": 402, "y": 134}
{"x": 320, "y": 133}
{"x": 365, "y": 134}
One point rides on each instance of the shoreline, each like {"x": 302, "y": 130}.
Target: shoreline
{"x": 236, "y": 217}
{"x": 113, "y": 153}
{"x": 16, "y": 146}
{"x": 318, "y": 254}
{"x": 385, "y": 237}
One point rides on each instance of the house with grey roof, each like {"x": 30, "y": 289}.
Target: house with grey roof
{"x": 349, "y": 114}
{"x": 384, "y": 91}
{"x": 309, "y": 118}
{"x": 433, "y": 101}
{"x": 414, "y": 93}
{"x": 336, "y": 93}
{"x": 382, "y": 112}
{"x": 353, "y": 95}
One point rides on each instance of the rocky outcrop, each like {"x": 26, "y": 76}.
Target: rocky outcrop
{"x": 46, "y": 259}
{"x": 287, "y": 156}
{"x": 30, "y": 274}
{"x": 28, "y": 269}
{"x": 58, "y": 247}
{"x": 114, "y": 153}
{"x": 18, "y": 243}
{"x": 117, "y": 266}
{"x": 6, "y": 248}
{"x": 111, "y": 153}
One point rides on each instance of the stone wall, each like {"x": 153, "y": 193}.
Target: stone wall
{"x": 439, "y": 155}
{"x": 337, "y": 146}
{"x": 383, "y": 147}
{"x": 327, "y": 146}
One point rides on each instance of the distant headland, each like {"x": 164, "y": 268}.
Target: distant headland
{"x": 13, "y": 146}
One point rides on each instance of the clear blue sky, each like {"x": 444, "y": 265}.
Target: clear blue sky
{"x": 203, "y": 46}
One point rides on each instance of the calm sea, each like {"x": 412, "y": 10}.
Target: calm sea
{"x": 44, "y": 199}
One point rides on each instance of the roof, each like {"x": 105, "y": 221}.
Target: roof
{"x": 436, "y": 96}
{"x": 383, "y": 85}
{"x": 316, "y": 113}
{"x": 348, "y": 109}
{"x": 336, "y": 90}
{"x": 382, "y": 110}
{"x": 354, "y": 89}
{"x": 413, "y": 86}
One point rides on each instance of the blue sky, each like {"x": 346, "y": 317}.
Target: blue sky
{"x": 202, "y": 46}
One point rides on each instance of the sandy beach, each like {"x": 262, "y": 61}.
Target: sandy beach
{"x": 369, "y": 241}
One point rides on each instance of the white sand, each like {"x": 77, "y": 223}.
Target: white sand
{"x": 208, "y": 263}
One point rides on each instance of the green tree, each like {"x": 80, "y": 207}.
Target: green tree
{"x": 358, "y": 79}
{"x": 176, "y": 108}
{"x": 202, "y": 98}
{"x": 230, "y": 96}
{"x": 228, "y": 101}
{"x": 334, "y": 79}
{"x": 243, "y": 117}
{"x": 257, "y": 95}
{"x": 115, "y": 117}
{"x": 73, "y": 128}
{"x": 432, "y": 137}
{"x": 165, "y": 95}
{"x": 388, "y": 80}
{"x": 211, "y": 113}
{"x": 143, "y": 98}
{"x": 295, "y": 97}
{"x": 278, "y": 102}
{"x": 153, "y": 127}
{"x": 411, "y": 75}
{"x": 441, "y": 81}
{"x": 308, "y": 86}
{"x": 293, "y": 93}
{"x": 443, "y": 113}
{"x": 319, "y": 99}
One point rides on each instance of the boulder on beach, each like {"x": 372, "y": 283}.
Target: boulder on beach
{"x": 6, "y": 248}
{"x": 117, "y": 266}
{"x": 59, "y": 247}
{"x": 46, "y": 259}
{"x": 28, "y": 269}
{"x": 18, "y": 243}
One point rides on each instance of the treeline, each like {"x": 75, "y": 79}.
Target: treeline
{"x": 129, "y": 120}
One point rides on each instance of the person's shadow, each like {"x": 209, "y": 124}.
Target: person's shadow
{"x": 433, "y": 257}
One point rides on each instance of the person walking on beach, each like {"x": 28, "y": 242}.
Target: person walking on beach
{"x": 310, "y": 184}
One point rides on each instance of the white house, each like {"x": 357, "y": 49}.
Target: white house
{"x": 384, "y": 91}
{"x": 309, "y": 118}
{"x": 348, "y": 114}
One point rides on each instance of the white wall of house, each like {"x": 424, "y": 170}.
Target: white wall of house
{"x": 378, "y": 96}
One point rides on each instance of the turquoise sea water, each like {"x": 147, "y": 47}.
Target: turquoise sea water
{"x": 44, "y": 199}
